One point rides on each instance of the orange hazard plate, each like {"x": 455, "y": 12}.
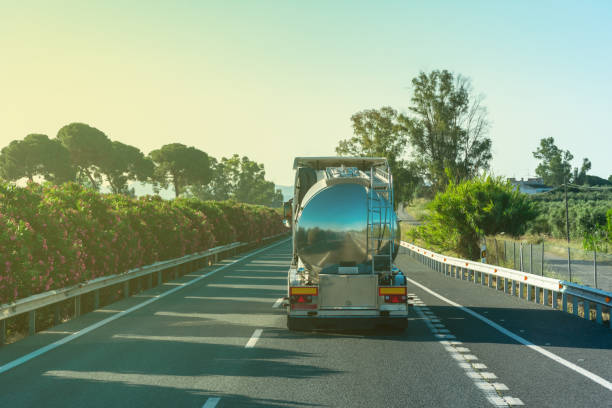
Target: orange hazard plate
{"x": 303, "y": 290}
{"x": 391, "y": 290}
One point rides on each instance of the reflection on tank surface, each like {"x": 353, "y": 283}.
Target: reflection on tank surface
{"x": 332, "y": 229}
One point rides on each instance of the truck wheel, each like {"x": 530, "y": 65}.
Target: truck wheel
{"x": 294, "y": 324}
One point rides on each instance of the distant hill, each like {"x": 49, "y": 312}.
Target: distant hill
{"x": 142, "y": 189}
{"x": 597, "y": 181}
{"x": 287, "y": 192}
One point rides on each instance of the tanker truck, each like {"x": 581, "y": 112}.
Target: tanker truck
{"x": 345, "y": 238}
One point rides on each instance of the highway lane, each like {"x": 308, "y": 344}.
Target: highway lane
{"x": 538, "y": 380}
{"x": 189, "y": 349}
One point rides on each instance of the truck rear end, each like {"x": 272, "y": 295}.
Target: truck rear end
{"x": 345, "y": 238}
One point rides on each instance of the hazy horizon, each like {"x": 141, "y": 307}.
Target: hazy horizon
{"x": 272, "y": 80}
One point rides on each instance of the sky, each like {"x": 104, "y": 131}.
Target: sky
{"x": 273, "y": 80}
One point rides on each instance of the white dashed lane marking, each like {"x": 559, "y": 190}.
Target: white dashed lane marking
{"x": 253, "y": 340}
{"x": 211, "y": 402}
{"x": 466, "y": 360}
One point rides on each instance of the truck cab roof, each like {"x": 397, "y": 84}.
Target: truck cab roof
{"x": 321, "y": 163}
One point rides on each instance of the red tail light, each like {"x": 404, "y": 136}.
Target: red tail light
{"x": 395, "y": 299}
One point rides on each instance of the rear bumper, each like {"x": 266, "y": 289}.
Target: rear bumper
{"x": 306, "y": 323}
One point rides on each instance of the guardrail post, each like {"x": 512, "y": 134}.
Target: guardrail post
{"x": 505, "y": 285}
{"x": 56, "y": 314}
{"x": 150, "y": 280}
{"x": 587, "y": 309}
{"x": 32, "y": 322}
{"x": 529, "y": 292}
{"x": 215, "y": 258}
{"x": 537, "y": 294}
{"x": 490, "y": 279}
{"x": 521, "y": 290}
{"x": 513, "y": 287}
{"x": 96, "y": 299}
{"x": 2, "y": 332}
{"x": 564, "y": 301}
{"x": 598, "y": 313}
{"x": 575, "y": 305}
{"x": 77, "y": 306}
{"x": 160, "y": 279}
{"x": 555, "y": 299}
{"x": 545, "y": 300}
{"x": 482, "y": 278}
{"x": 126, "y": 288}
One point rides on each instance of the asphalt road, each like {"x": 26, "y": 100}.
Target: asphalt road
{"x": 221, "y": 342}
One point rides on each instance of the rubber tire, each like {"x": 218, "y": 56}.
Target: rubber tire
{"x": 294, "y": 324}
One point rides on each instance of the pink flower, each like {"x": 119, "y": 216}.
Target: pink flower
{"x": 13, "y": 237}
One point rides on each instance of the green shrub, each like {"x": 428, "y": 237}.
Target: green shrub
{"x": 466, "y": 212}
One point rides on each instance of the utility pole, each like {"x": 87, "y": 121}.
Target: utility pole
{"x": 569, "y": 261}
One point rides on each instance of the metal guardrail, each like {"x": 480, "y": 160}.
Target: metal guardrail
{"x": 54, "y": 297}
{"x": 540, "y": 289}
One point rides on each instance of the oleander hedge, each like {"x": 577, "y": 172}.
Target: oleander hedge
{"x": 56, "y": 236}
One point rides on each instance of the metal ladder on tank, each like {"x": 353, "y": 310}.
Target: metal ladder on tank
{"x": 380, "y": 216}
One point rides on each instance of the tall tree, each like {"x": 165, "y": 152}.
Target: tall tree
{"x": 218, "y": 189}
{"x": 447, "y": 128}
{"x": 377, "y": 133}
{"x": 240, "y": 179}
{"x": 125, "y": 163}
{"x": 580, "y": 175}
{"x": 89, "y": 148}
{"x": 555, "y": 167}
{"x": 36, "y": 155}
{"x": 181, "y": 166}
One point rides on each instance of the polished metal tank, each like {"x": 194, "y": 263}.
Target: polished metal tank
{"x": 332, "y": 227}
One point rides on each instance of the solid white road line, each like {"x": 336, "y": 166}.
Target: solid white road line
{"x": 56, "y": 344}
{"x": 211, "y": 402}
{"x": 256, "y": 335}
{"x": 278, "y": 302}
{"x": 591, "y": 376}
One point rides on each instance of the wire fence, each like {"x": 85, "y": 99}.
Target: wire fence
{"x": 588, "y": 268}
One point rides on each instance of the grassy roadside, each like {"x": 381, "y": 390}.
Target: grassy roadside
{"x": 417, "y": 209}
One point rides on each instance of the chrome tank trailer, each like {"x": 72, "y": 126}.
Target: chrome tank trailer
{"x": 344, "y": 221}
